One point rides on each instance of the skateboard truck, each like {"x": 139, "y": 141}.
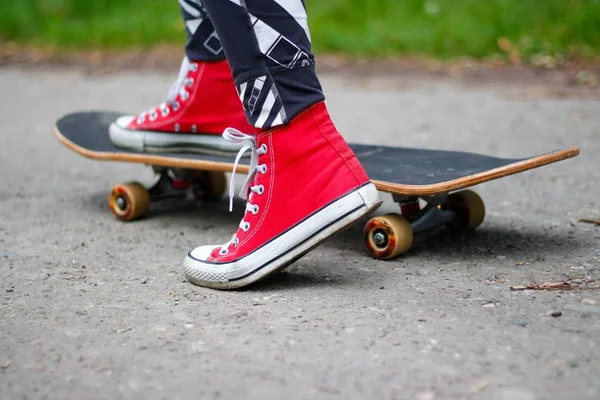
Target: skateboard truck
{"x": 130, "y": 201}
{"x": 391, "y": 235}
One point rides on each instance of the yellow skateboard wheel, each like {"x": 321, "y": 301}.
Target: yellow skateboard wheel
{"x": 388, "y": 236}
{"x": 469, "y": 208}
{"x": 209, "y": 185}
{"x": 129, "y": 201}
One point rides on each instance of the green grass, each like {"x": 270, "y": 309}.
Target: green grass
{"x": 91, "y": 23}
{"x": 437, "y": 28}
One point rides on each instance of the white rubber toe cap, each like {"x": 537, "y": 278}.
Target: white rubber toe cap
{"x": 202, "y": 253}
{"x": 203, "y": 273}
{"x": 122, "y": 137}
{"x": 124, "y": 121}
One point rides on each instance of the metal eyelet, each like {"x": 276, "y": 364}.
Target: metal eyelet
{"x": 175, "y": 105}
{"x": 255, "y": 210}
{"x": 189, "y": 82}
{"x": 164, "y": 111}
{"x": 261, "y": 189}
{"x": 176, "y": 127}
{"x": 223, "y": 251}
{"x": 194, "y": 128}
{"x": 185, "y": 95}
{"x": 193, "y": 67}
{"x": 153, "y": 116}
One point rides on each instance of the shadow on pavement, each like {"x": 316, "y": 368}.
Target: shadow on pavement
{"x": 487, "y": 241}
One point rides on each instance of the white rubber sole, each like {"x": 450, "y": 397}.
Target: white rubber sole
{"x": 142, "y": 141}
{"x": 284, "y": 249}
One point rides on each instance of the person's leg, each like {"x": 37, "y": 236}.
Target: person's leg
{"x": 203, "y": 42}
{"x": 267, "y": 43}
{"x": 305, "y": 183}
{"x": 203, "y": 100}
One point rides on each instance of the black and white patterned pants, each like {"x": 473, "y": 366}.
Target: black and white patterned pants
{"x": 267, "y": 44}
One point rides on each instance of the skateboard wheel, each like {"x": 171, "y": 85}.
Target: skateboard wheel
{"x": 388, "y": 236}
{"x": 129, "y": 201}
{"x": 209, "y": 185}
{"x": 469, "y": 208}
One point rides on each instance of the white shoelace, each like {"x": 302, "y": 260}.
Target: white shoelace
{"x": 177, "y": 88}
{"x": 249, "y": 143}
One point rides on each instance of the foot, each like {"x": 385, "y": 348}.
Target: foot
{"x": 305, "y": 184}
{"x": 202, "y": 103}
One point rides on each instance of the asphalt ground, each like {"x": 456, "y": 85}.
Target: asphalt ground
{"x": 99, "y": 309}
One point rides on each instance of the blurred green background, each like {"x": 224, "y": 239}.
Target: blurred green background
{"x": 527, "y": 31}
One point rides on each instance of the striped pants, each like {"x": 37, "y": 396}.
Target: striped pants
{"x": 267, "y": 44}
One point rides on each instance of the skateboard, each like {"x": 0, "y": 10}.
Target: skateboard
{"x": 428, "y": 185}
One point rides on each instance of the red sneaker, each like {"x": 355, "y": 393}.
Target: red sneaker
{"x": 305, "y": 184}
{"x": 202, "y": 103}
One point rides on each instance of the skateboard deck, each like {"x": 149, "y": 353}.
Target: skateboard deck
{"x": 409, "y": 174}
{"x": 405, "y": 171}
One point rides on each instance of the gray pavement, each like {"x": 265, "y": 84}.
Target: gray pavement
{"x": 91, "y": 308}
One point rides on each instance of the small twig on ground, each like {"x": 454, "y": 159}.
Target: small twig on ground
{"x": 590, "y": 221}
{"x": 545, "y": 286}
{"x": 571, "y": 284}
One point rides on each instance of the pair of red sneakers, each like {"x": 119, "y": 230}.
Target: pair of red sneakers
{"x": 304, "y": 184}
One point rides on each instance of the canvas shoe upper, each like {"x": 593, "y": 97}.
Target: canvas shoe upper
{"x": 305, "y": 183}
{"x": 201, "y": 104}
